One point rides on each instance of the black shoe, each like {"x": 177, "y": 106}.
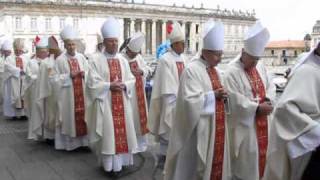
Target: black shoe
{"x": 108, "y": 173}
{"x": 161, "y": 161}
{"x": 49, "y": 141}
{"x": 117, "y": 174}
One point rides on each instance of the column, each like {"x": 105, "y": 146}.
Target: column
{"x": 132, "y": 30}
{"x": 183, "y": 27}
{"x": 137, "y": 26}
{"x": 121, "y": 38}
{"x": 199, "y": 37}
{"x": 164, "y": 30}
{"x": 153, "y": 35}
{"x": 192, "y": 37}
{"x": 143, "y": 30}
{"x": 126, "y": 28}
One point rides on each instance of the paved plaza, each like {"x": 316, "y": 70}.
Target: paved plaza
{"x": 22, "y": 159}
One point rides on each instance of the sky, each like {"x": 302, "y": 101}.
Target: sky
{"x": 285, "y": 19}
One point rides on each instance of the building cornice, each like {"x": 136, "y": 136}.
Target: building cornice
{"x": 100, "y": 8}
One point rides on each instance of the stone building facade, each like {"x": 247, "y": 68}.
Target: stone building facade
{"x": 28, "y": 18}
{"x": 315, "y": 34}
{"x": 283, "y": 52}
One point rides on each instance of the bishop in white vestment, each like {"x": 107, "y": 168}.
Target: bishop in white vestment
{"x": 199, "y": 141}
{"x": 110, "y": 86}
{"x": 165, "y": 88}
{"x": 295, "y": 130}
{"x": 13, "y": 79}
{"x": 70, "y": 82}
{"x": 6, "y": 49}
{"x": 48, "y": 95}
{"x": 139, "y": 103}
{"x": 39, "y": 129}
{"x": 252, "y": 94}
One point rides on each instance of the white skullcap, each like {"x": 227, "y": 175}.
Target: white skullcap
{"x": 176, "y": 35}
{"x": 256, "y": 39}
{"x": 42, "y": 43}
{"x": 7, "y": 45}
{"x": 136, "y": 42}
{"x": 110, "y": 28}
{"x": 69, "y": 33}
{"x": 18, "y": 43}
{"x": 213, "y": 36}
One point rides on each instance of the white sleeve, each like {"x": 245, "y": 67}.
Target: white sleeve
{"x": 209, "y": 105}
{"x": 105, "y": 91}
{"x": 170, "y": 99}
{"x": 305, "y": 143}
{"x": 66, "y": 80}
{"x": 14, "y": 71}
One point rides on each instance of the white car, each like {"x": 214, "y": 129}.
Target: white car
{"x": 280, "y": 81}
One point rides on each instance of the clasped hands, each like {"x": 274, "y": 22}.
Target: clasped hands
{"x": 137, "y": 72}
{"x": 220, "y": 93}
{"x": 117, "y": 85}
{"x": 77, "y": 73}
{"x": 265, "y": 108}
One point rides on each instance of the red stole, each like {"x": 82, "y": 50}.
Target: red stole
{"x": 19, "y": 64}
{"x": 141, "y": 99}
{"x": 180, "y": 67}
{"x": 118, "y": 116}
{"x": 261, "y": 121}
{"x": 218, "y": 155}
{"x": 79, "y": 107}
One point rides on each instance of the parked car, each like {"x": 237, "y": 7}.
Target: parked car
{"x": 280, "y": 81}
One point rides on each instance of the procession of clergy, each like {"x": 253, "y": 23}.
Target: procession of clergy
{"x": 210, "y": 125}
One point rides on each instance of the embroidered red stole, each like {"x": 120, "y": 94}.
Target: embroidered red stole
{"x": 218, "y": 155}
{"x": 141, "y": 99}
{"x": 79, "y": 107}
{"x": 118, "y": 115}
{"x": 19, "y": 64}
{"x": 180, "y": 67}
{"x": 258, "y": 91}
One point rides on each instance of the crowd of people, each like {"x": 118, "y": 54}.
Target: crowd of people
{"x": 209, "y": 125}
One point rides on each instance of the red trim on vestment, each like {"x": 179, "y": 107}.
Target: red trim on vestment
{"x": 19, "y": 64}
{"x": 79, "y": 106}
{"x": 258, "y": 91}
{"x": 218, "y": 155}
{"x": 117, "y": 106}
{"x": 140, "y": 98}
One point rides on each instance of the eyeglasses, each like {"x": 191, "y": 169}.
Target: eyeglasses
{"x": 217, "y": 54}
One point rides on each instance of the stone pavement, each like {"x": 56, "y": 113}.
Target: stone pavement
{"x": 22, "y": 159}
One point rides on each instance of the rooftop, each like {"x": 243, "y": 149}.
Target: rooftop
{"x": 286, "y": 44}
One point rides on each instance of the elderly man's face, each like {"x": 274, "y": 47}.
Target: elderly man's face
{"x": 213, "y": 58}
{"x": 111, "y": 45}
{"x": 100, "y": 47}
{"x": 178, "y": 47}
{"x": 248, "y": 60}
{"x": 18, "y": 52}
{"x": 42, "y": 53}
{"x": 70, "y": 46}
{"x": 131, "y": 54}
